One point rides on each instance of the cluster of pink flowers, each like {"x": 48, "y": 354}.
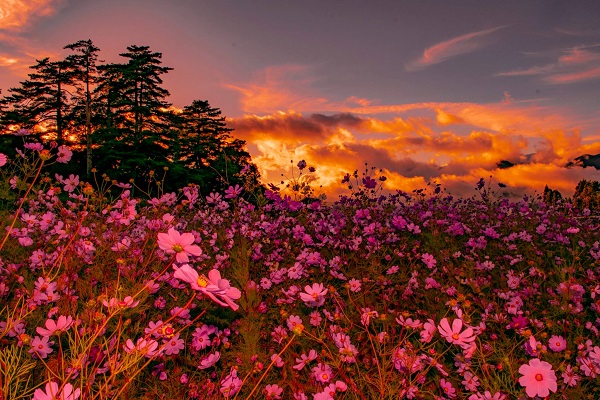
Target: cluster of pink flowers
{"x": 417, "y": 296}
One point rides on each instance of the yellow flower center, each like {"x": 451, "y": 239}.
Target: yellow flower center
{"x": 177, "y": 248}
{"x": 455, "y": 336}
{"x": 202, "y": 281}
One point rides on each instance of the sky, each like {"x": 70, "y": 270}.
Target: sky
{"x": 428, "y": 91}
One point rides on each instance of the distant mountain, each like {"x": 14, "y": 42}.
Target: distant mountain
{"x": 586, "y": 160}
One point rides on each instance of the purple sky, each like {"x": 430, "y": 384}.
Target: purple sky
{"x": 427, "y": 90}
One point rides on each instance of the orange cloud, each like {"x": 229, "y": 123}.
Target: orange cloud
{"x": 580, "y": 76}
{"x": 451, "y": 48}
{"x": 451, "y": 143}
{"x": 15, "y": 15}
{"x": 572, "y": 65}
{"x": 281, "y": 88}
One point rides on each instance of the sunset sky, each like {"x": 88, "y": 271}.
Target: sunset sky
{"x": 427, "y": 90}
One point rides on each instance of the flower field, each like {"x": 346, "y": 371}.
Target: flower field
{"x": 105, "y": 295}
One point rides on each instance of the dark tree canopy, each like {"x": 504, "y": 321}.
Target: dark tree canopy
{"x": 117, "y": 119}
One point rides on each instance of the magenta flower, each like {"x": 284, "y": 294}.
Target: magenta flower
{"x": 173, "y": 345}
{"x": 53, "y": 392}
{"x": 231, "y": 384}
{"x": 454, "y": 335}
{"x": 215, "y": 287}
{"x": 538, "y": 378}
{"x": 173, "y": 242}
{"x": 148, "y": 348}
{"x": 64, "y": 154}
{"x": 314, "y": 295}
{"x": 41, "y": 346}
{"x": 557, "y": 343}
{"x": 3, "y": 160}
{"x": 61, "y": 325}
{"x": 273, "y": 392}
{"x": 209, "y": 360}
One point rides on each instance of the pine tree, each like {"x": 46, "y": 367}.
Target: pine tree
{"x": 42, "y": 102}
{"x": 135, "y": 139}
{"x": 83, "y": 64}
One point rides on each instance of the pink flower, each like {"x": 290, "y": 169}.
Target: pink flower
{"x": 61, "y": 325}
{"x": 209, "y": 360}
{"x": 3, "y": 160}
{"x": 148, "y": 348}
{"x": 64, "y": 154}
{"x": 322, "y": 373}
{"x": 454, "y": 335}
{"x": 448, "y": 388}
{"x": 212, "y": 286}
{"x": 557, "y": 343}
{"x": 273, "y": 392}
{"x": 127, "y": 302}
{"x": 231, "y": 384}
{"x": 41, "y": 346}
{"x": 538, "y": 378}
{"x": 315, "y": 295}
{"x": 233, "y": 192}
{"x": 173, "y": 345}
{"x": 173, "y": 242}
{"x": 53, "y": 392}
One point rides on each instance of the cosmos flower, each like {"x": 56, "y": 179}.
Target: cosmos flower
{"x": 181, "y": 245}
{"x": 557, "y": 343}
{"x": 215, "y": 287}
{"x": 61, "y": 325}
{"x": 53, "y": 392}
{"x": 64, "y": 154}
{"x": 538, "y": 378}
{"x": 314, "y": 296}
{"x": 3, "y": 160}
{"x": 454, "y": 335}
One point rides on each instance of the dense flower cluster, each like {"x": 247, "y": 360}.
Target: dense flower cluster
{"x": 405, "y": 296}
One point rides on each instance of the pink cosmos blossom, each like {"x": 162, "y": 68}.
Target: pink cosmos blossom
{"x": 181, "y": 245}
{"x": 215, "y": 287}
{"x": 355, "y": 285}
{"x": 273, "y": 392}
{"x": 233, "y": 192}
{"x": 127, "y": 302}
{"x": 54, "y": 392}
{"x": 293, "y": 321}
{"x": 146, "y": 347}
{"x": 538, "y": 378}
{"x": 304, "y": 359}
{"x": 3, "y": 160}
{"x": 41, "y": 346}
{"x": 570, "y": 377}
{"x": 487, "y": 396}
{"x": 173, "y": 345}
{"x": 428, "y": 331}
{"x": 231, "y": 384}
{"x": 64, "y": 154}
{"x": 448, "y": 388}
{"x": 61, "y": 325}
{"x": 557, "y": 343}
{"x": 454, "y": 335}
{"x": 322, "y": 373}
{"x": 314, "y": 295}
{"x": 209, "y": 360}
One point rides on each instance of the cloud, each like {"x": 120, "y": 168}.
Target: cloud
{"x": 16, "y": 15}
{"x": 451, "y": 48}
{"x": 593, "y": 73}
{"x": 280, "y": 88}
{"x": 451, "y": 143}
{"x": 572, "y": 65}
